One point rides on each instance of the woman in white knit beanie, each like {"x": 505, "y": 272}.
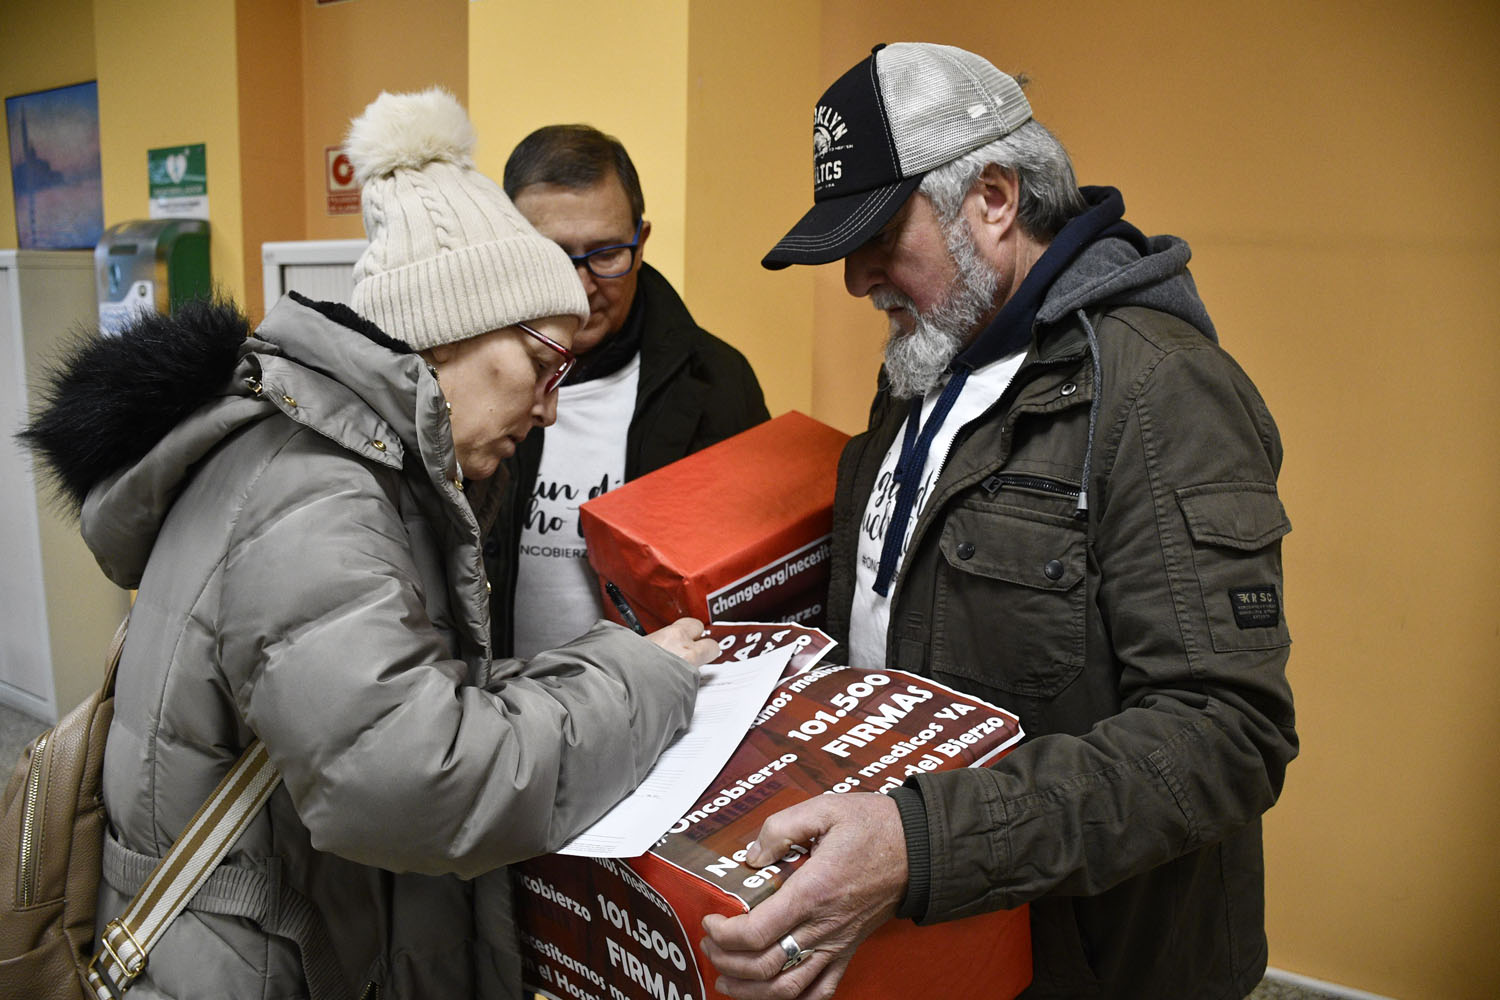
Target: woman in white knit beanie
{"x": 454, "y": 271}
{"x": 302, "y": 508}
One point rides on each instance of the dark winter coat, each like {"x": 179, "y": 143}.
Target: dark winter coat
{"x": 1141, "y": 642}
{"x": 694, "y": 391}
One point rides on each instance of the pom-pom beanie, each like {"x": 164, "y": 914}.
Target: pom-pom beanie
{"x": 449, "y": 256}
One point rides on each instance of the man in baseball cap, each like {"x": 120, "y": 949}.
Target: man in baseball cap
{"x": 907, "y": 108}
{"x": 1065, "y": 504}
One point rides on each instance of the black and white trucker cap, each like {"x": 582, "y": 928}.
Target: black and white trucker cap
{"x": 903, "y": 110}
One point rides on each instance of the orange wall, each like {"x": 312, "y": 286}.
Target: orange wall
{"x": 622, "y": 68}
{"x": 308, "y": 70}
{"x": 350, "y": 53}
{"x": 271, "y": 139}
{"x": 751, "y": 68}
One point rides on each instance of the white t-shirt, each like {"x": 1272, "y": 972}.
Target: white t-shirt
{"x": 583, "y": 455}
{"x": 870, "y": 616}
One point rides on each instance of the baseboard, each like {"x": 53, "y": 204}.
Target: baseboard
{"x": 26, "y": 703}
{"x": 1319, "y": 986}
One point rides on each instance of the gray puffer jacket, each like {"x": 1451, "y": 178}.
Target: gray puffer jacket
{"x": 309, "y": 572}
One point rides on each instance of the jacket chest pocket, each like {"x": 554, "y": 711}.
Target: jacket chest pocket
{"x": 1009, "y": 599}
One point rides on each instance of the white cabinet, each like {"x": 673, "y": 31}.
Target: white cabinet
{"x": 57, "y": 610}
{"x": 321, "y": 270}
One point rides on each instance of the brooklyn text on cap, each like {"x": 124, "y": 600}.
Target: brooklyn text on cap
{"x": 903, "y": 110}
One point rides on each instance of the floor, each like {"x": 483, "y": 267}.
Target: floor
{"x": 16, "y": 730}
{"x": 1268, "y": 990}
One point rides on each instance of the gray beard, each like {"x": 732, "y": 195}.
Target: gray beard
{"x": 915, "y": 362}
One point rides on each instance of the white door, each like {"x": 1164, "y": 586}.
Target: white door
{"x": 25, "y": 652}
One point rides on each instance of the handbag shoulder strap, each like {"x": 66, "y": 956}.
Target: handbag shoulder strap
{"x": 215, "y": 827}
{"x": 112, "y": 658}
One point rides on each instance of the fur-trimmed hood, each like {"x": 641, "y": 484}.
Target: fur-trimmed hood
{"x": 127, "y": 420}
{"x": 111, "y": 399}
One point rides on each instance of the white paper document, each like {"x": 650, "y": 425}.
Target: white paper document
{"x": 729, "y": 697}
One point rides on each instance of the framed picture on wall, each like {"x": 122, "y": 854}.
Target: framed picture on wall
{"x": 54, "y": 167}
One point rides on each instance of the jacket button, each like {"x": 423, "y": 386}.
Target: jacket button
{"x": 1068, "y": 388}
{"x": 965, "y": 550}
{"x": 1053, "y": 569}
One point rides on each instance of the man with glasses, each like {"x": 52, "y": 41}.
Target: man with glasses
{"x": 649, "y": 387}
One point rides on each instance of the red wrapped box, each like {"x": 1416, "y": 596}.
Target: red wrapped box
{"x": 736, "y": 532}
{"x": 628, "y": 929}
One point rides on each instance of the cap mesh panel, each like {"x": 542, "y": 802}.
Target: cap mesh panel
{"x": 943, "y": 102}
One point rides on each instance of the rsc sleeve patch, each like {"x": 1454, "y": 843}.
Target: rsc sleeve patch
{"x": 1255, "y": 607}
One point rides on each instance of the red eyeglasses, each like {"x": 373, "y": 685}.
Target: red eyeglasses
{"x": 563, "y": 367}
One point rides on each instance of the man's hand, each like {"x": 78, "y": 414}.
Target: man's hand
{"x": 850, "y": 885}
{"x": 684, "y": 637}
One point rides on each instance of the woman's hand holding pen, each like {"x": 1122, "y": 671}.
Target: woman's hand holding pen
{"x": 684, "y": 637}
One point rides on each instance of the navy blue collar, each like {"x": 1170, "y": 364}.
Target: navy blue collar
{"x": 1007, "y": 333}
{"x": 1010, "y": 330}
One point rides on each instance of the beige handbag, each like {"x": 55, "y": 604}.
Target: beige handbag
{"x": 51, "y": 844}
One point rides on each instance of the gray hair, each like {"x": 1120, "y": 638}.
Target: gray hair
{"x": 1049, "y": 191}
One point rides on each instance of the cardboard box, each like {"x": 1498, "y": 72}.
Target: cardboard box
{"x": 628, "y": 929}
{"x": 736, "y": 532}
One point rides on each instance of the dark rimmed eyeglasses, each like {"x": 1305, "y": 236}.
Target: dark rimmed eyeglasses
{"x": 563, "y": 367}
{"x": 613, "y": 261}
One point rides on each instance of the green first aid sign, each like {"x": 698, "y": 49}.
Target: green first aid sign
{"x": 178, "y": 177}
{"x": 177, "y": 171}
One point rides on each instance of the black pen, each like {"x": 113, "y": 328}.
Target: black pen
{"x": 625, "y": 612}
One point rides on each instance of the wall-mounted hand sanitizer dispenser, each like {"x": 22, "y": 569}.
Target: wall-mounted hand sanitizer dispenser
{"x": 149, "y": 265}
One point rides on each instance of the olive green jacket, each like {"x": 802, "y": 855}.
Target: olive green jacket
{"x": 1140, "y": 640}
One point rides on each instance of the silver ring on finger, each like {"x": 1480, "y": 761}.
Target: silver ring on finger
{"x": 795, "y": 954}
